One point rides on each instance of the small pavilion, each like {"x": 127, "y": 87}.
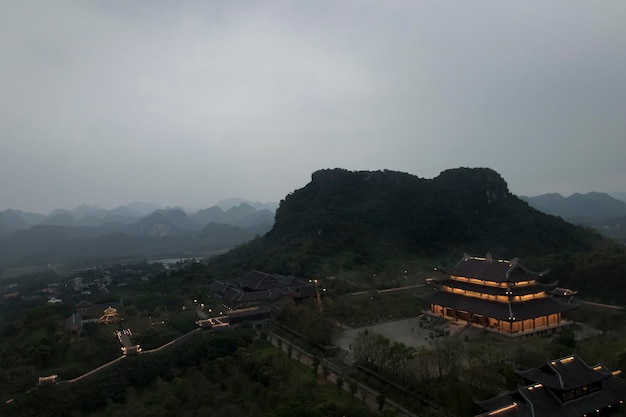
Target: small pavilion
{"x": 109, "y": 316}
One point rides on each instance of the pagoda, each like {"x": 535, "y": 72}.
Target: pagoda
{"x": 109, "y": 316}
{"x": 565, "y": 387}
{"x": 500, "y": 295}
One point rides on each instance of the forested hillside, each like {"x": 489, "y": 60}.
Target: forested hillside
{"x": 354, "y": 220}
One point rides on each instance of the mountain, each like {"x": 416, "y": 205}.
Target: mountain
{"x": 14, "y": 220}
{"x": 344, "y": 219}
{"x": 227, "y": 203}
{"x": 579, "y": 208}
{"x": 116, "y": 234}
{"x": 163, "y": 223}
{"x": 619, "y": 196}
{"x": 212, "y": 214}
{"x": 60, "y": 218}
{"x": 243, "y": 215}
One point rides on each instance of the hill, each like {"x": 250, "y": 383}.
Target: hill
{"x": 118, "y": 234}
{"x": 599, "y": 211}
{"x": 359, "y": 220}
{"x": 587, "y": 208}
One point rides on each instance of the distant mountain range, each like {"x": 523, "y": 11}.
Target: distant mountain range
{"x": 601, "y": 211}
{"x": 579, "y": 208}
{"x": 88, "y": 232}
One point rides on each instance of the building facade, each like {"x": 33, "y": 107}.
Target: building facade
{"x": 500, "y": 295}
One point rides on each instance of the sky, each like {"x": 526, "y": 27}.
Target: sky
{"x": 184, "y": 103}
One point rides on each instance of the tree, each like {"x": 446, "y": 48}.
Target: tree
{"x": 380, "y": 400}
{"x": 352, "y": 387}
{"x": 325, "y": 372}
{"x": 315, "y": 364}
{"x": 339, "y": 381}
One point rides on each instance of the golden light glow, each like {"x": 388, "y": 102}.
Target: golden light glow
{"x": 528, "y": 296}
{"x": 566, "y": 360}
{"x": 500, "y": 410}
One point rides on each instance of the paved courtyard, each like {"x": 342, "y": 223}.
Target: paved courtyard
{"x": 407, "y": 331}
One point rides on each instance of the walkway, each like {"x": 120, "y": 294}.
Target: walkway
{"x": 367, "y": 394}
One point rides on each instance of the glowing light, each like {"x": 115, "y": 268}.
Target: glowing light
{"x": 500, "y": 410}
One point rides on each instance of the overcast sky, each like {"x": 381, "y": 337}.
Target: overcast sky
{"x": 188, "y": 102}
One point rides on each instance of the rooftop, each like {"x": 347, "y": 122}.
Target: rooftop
{"x": 488, "y": 269}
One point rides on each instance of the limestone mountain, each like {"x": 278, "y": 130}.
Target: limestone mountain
{"x": 352, "y": 219}
{"x": 243, "y": 215}
{"x": 164, "y": 223}
{"x": 14, "y": 220}
{"x": 119, "y": 234}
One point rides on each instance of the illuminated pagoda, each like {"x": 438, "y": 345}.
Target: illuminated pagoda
{"x": 499, "y": 295}
{"x": 109, "y": 316}
{"x": 566, "y": 387}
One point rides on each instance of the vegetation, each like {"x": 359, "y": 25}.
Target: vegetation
{"x": 220, "y": 374}
{"x": 598, "y": 275}
{"x": 398, "y": 229}
{"x": 357, "y": 221}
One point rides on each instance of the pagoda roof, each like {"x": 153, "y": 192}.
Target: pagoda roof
{"x": 539, "y": 399}
{"x": 506, "y": 405}
{"x": 489, "y": 289}
{"x": 256, "y": 286}
{"x": 487, "y": 269}
{"x": 565, "y": 374}
{"x": 518, "y": 310}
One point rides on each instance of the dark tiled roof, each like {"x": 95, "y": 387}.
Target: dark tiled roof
{"x": 495, "y": 271}
{"x": 507, "y": 405}
{"x": 565, "y": 374}
{"x": 256, "y": 280}
{"x": 520, "y": 310}
{"x": 257, "y": 286}
{"x": 488, "y": 289}
{"x": 218, "y": 286}
{"x": 83, "y": 304}
{"x": 539, "y": 399}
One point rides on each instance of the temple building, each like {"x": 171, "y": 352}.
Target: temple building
{"x": 562, "y": 387}
{"x": 109, "y": 315}
{"x": 499, "y": 295}
{"x": 257, "y": 288}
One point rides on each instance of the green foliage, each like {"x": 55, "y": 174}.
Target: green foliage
{"x": 358, "y": 220}
{"x": 307, "y": 320}
{"x": 220, "y": 374}
{"x": 598, "y": 275}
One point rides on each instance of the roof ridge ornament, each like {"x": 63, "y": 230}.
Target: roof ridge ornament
{"x": 513, "y": 264}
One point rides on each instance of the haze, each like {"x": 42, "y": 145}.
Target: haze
{"x": 186, "y": 103}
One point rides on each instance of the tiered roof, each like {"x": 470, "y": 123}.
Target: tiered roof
{"x": 487, "y": 269}
{"x": 257, "y": 286}
{"x": 541, "y": 397}
{"x": 488, "y": 289}
{"x": 518, "y": 310}
{"x": 501, "y": 278}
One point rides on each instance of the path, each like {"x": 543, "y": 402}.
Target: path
{"x": 365, "y": 393}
